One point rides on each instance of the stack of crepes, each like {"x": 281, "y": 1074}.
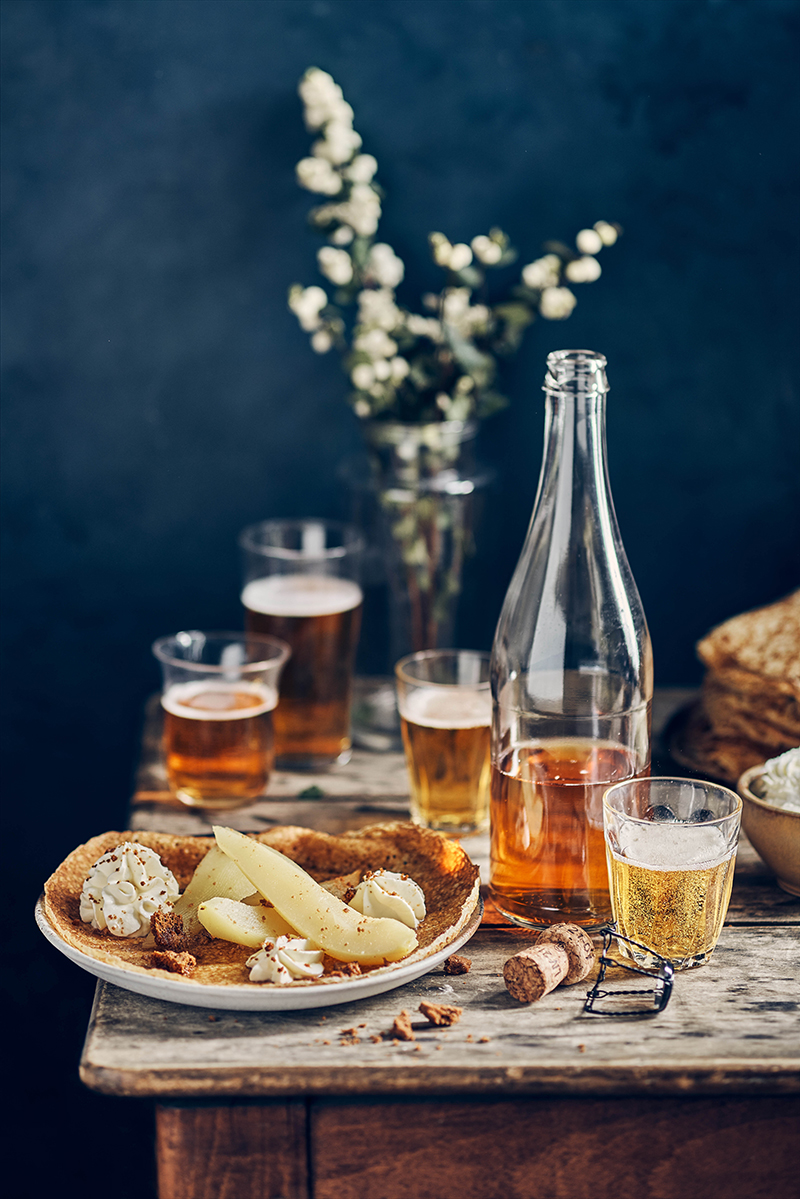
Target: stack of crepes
{"x": 750, "y": 708}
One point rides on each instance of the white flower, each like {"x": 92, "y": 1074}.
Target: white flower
{"x": 362, "y": 169}
{"x": 323, "y": 99}
{"x": 607, "y": 233}
{"x": 363, "y": 376}
{"x": 384, "y": 267}
{"x": 342, "y": 236}
{"x": 306, "y": 303}
{"x": 455, "y": 303}
{"x": 455, "y": 258}
{"x": 382, "y": 369}
{"x": 544, "y": 272}
{"x": 589, "y": 241}
{"x": 457, "y": 312}
{"x": 316, "y": 175}
{"x": 339, "y": 143}
{"x": 321, "y": 341}
{"x": 583, "y": 270}
{"x": 375, "y": 344}
{"x": 400, "y": 369}
{"x": 441, "y": 249}
{"x": 424, "y": 326}
{"x": 365, "y": 210}
{"x": 460, "y": 256}
{"x": 377, "y": 309}
{"x": 335, "y": 265}
{"x": 556, "y": 303}
{"x": 485, "y": 250}
{"x": 361, "y": 212}
{"x": 362, "y": 408}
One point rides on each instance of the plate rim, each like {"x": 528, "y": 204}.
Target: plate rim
{"x": 251, "y": 997}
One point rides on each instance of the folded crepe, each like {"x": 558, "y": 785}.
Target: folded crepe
{"x": 448, "y": 877}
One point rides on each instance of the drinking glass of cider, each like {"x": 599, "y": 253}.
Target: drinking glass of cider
{"x": 219, "y": 694}
{"x": 301, "y": 585}
{"x": 445, "y": 704}
{"x": 671, "y": 846}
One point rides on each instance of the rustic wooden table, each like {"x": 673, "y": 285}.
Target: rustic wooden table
{"x": 513, "y": 1102}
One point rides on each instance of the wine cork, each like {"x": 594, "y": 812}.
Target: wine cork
{"x": 576, "y": 944}
{"x": 534, "y": 972}
{"x": 562, "y": 953}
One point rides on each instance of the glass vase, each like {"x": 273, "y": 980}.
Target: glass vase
{"x": 421, "y": 485}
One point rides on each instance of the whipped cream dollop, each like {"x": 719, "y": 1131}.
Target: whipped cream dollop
{"x": 395, "y": 896}
{"x": 284, "y": 960}
{"x": 780, "y": 782}
{"x": 124, "y": 888}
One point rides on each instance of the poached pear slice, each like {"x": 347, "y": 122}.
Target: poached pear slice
{"x": 317, "y": 915}
{"x": 245, "y": 924}
{"x": 215, "y": 875}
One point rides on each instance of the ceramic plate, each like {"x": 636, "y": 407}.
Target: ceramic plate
{"x": 259, "y": 997}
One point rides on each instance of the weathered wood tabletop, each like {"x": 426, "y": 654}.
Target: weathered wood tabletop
{"x": 507, "y": 1088}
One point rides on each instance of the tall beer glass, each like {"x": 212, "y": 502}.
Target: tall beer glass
{"x": 301, "y": 584}
{"x": 671, "y": 845}
{"x": 445, "y": 703}
{"x": 219, "y": 694}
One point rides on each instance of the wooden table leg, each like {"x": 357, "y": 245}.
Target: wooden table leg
{"x": 237, "y": 1151}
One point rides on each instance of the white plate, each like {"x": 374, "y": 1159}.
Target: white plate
{"x": 257, "y": 997}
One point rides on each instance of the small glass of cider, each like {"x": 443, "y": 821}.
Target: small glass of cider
{"x": 671, "y": 846}
{"x": 219, "y": 693}
{"x": 445, "y": 703}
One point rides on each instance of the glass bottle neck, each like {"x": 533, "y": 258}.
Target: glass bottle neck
{"x": 574, "y": 466}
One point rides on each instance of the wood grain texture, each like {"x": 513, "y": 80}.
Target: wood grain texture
{"x": 576, "y": 1148}
{"x": 731, "y": 1026}
{"x": 240, "y": 1151}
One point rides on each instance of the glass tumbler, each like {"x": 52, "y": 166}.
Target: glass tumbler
{"x": 445, "y": 704}
{"x": 671, "y": 846}
{"x": 301, "y": 585}
{"x": 219, "y": 695}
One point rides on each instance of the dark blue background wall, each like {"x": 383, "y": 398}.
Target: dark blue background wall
{"x": 159, "y": 395}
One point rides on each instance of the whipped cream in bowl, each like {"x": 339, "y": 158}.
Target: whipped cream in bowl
{"x": 779, "y": 784}
{"x": 383, "y": 893}
{"x": 124, "y": 888}
{"x": 284, "y": 960}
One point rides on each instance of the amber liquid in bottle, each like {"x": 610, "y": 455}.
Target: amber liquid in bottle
{"x": 548, "y": 851}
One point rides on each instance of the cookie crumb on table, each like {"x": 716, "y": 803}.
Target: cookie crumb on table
{"x": 456, "y": 964}
{"x": 401, "y": 1029}
{"x": 443, "y": 1015}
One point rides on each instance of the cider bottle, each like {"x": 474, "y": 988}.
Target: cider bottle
{"x": 572, "y": 671}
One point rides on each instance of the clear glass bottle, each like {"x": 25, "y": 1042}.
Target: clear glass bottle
{"x": 572, "y": 671}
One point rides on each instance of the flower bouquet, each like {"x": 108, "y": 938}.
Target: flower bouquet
{"x": 420, "y": 382}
